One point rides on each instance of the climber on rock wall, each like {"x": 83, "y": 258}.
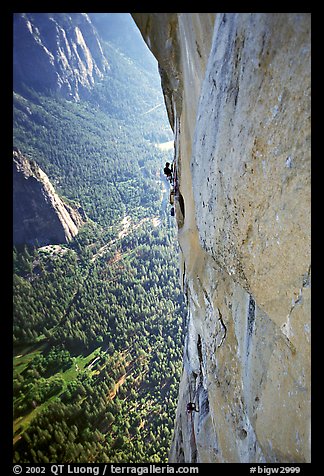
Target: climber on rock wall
{"x": 168, "y": 171}
{"x": 191, "y": 407}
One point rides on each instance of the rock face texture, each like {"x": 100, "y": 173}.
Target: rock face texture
{"x": 63, "y": 61}
{"x": 237, "y": 90}
{"x": 39, "y": 215}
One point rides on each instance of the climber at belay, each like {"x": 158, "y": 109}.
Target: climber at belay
{"x": 173, "y": 183}
{"x": 168, "y": 171}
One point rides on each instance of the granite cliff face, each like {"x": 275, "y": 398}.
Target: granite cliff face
{"x": 66, "y": 51}
{"x": 237, "y": 91}
{"x": 39, "y": 215}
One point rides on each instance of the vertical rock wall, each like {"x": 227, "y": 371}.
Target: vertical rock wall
{"x": 237, "y": 90}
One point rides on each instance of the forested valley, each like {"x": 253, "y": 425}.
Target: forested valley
{"x": 98, "y": 322}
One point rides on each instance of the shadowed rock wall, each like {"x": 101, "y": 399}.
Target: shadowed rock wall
{"x": 63, "y": 61}
{"x": 39, "y": 214}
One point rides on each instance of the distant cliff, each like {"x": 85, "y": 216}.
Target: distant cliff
{"x": 39, "y": 215}
{"x": 237, "y": 91}
{"x": 67, "y": 56}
